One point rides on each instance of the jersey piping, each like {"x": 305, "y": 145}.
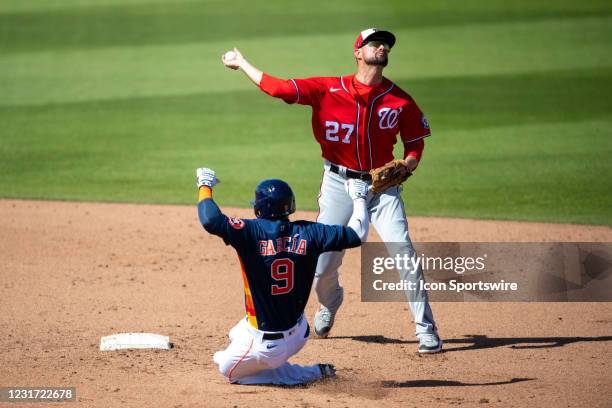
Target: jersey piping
{"x": 297, "y": 91}
{"x": 370, "y": 119}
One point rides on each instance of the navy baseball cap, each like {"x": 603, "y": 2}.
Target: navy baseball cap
{"x": 372, "y": 34}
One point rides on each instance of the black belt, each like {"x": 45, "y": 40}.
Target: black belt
{"x": 280, "y": 335}
{"x": 273, "y": 336}
{"x": 350, "y": 173}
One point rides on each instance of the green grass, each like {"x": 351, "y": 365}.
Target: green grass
{"x": 121, "y": 101}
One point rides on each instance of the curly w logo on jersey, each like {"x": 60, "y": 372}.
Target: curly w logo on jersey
{"x": 388, "y": 118}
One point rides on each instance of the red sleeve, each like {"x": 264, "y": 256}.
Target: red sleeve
{"x": 414, "y": 149}
{"x": 278, "y": 88}
{"x": 310, "y": 90}
{"x": 413, "y": 124}
{"x": 303, "y": 91}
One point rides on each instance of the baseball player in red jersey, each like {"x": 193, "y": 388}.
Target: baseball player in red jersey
{"x": 356, "y": 120}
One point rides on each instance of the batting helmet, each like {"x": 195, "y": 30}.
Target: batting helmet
{"x": 273, "y": 199}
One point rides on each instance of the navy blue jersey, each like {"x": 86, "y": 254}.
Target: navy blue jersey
{"x": 278, "y": 260}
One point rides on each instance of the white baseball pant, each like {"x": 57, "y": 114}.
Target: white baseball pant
{"x": 388, "y": 217}
{"x": 250, "y": 359}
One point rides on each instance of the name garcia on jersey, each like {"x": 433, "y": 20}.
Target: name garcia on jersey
{"x": 292, "y": 244}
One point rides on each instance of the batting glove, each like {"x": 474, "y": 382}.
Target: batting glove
{"x": 356, "y": 188}
{"x": 206, "y": 177}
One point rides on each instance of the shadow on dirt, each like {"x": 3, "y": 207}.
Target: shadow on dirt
{"x": 447, "y": 383}
{"x": 480, "y": 341}
{"x": 375, "y": 389}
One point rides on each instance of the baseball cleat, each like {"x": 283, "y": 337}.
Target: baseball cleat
{"x": 430, "y": 343}
{"x": 327, "y": 371}
{"x": 323, "y": 322}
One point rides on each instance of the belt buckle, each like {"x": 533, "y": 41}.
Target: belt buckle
{"x": 359, "y": 175}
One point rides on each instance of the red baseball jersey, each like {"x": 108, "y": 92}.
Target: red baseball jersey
{"x": 356, "y": 127}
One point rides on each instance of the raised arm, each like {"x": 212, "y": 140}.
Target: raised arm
{"x": 302, "y": 91}
{"x": 237, "y": 61}
{"x": 208, "y": 211}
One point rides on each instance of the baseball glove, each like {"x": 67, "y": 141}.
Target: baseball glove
{"x": 391, "y": 174}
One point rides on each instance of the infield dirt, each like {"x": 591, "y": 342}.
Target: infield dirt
{"x": 74, "y": 272}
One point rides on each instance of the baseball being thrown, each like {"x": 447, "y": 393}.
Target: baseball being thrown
{"x": 230, "y": 55}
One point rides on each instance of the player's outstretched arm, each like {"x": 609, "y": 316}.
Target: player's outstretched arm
{"x": 208, "y": 211}
{"x": 235, "y": 60}
{"x": 359, "y": 221}
{"x": 276, "y": 87}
